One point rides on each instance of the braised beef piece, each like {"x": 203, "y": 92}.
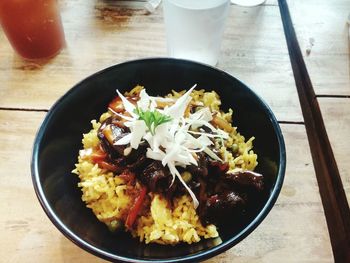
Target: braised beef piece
{"x": 202, "y": 168}
{"x": 110, "y": 131}
{"x": 156, "y": 177}
{"x": 172, "y": 191}
{"x": 227, "y": 195}
{"x": 217, "y": 167}
{"x": 194, "y": 185}
{"x": 222, "y": 207}
{"x": 245, "y": 179}
{"x": 137, "y": 160}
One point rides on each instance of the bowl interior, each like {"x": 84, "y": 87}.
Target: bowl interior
{"x": 59, "y": 140}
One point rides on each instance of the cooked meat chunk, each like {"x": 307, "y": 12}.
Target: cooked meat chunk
{"x": 111, "y": 131}
{"x": 156, "y": 177}
{"x": 219, "y": 207}
{"x": 246, "y": 178}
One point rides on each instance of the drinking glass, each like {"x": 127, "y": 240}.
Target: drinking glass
{"x": 194, "y": 28}
{"x": 33, "y": 27}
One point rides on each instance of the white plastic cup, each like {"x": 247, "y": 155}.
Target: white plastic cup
{"x": 194, "y": 28}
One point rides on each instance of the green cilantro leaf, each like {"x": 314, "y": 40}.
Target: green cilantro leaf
{"x": 152, "y": 119}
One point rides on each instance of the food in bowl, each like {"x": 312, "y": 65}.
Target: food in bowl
{"x": 168, "y": 169}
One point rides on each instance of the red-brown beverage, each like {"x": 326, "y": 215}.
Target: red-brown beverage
{"x": 33, "y": 27}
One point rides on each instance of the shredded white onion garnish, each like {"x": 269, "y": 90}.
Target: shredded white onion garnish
{"x": 169, "y": 133}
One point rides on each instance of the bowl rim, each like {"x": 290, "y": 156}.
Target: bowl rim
{"x": 199, "y": 256}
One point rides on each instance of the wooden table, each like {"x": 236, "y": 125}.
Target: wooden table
{"x": 327, "y": 59}
{"x": 329, "y": 67}
{"x": 100, "y": 34}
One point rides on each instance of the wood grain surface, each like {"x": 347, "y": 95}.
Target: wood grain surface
{"x": 336, "y": 114}
{"x": 100, "y": 34}
{"x": 329, "y": 180}
{"x": 328, "y": 58}
{"x": 295, "y": 229}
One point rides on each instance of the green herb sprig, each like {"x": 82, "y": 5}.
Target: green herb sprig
{"x": 152, "y": 119}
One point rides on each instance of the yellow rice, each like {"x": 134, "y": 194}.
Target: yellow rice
{"x": 164, "y": 223}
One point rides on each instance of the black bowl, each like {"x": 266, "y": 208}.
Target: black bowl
{"x": 59, "y": 139}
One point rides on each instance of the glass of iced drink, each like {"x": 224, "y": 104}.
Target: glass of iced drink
{"x": 194, "y": 28}
{"x": 33, "y": 27}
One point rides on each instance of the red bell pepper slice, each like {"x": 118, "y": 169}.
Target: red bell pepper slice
{"x": 98, "y": 156}
{"x": 108, "y": 166}
{"x": 135, "y": 209}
